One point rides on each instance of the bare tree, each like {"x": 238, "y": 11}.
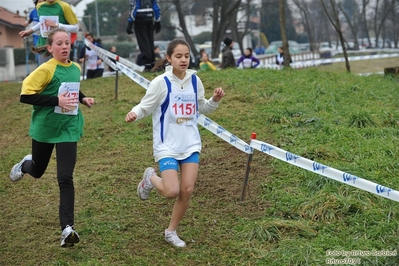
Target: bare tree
{"x": 241, "y": 25}
{"x": 365, "y": 27}
{"x": 183, "y": 26}
{"x": 351, "y": 12}
{"x": 334, "y": 19}
{"x": 223, "y": 15}
{"x": 381, "y": 16}
{"x": 304, "y": 11}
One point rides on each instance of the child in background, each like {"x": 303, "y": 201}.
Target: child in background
{"x": 94, "y": 64}
{"x": 205, "y": 64}
{"x": 248, "y": 60}
{"x": 54, "y": 91}
{"x": 280, "y": 57}
{"x": 174, "y": 99}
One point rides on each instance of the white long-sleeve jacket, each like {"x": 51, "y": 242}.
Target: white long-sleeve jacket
{"x": 151, "y": 104}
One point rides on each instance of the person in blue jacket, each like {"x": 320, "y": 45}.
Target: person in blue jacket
{"x": 248, "y": 60}
{"x": 145, "y": 18}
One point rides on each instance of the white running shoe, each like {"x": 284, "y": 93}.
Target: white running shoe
{"x": 16, "y": 172}
{"x": 144, "y": 188}
{"x": 69, "y": 237}
{"x": 172, "y": 238}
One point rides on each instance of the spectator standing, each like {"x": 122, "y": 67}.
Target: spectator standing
{"x": 145, "y": 18}
{"x": 280, "y": 56}
{"x": 94, "y": 64}
{"x": 228, "y": 60}
{"x": 53, "y": 89}
{"x": 34, "y": 19}
{"x": 205, "y": 64}
{"x": 248, "y": 60}
{"x": 52, "y": 14}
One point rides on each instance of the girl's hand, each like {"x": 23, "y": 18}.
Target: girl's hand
{"x": 218, "y": 94}
{"x": 131, "y": 116}
{"x": 67, "y": 103}
{"x": 88, "y": 101}
{"x": 25, "y": 33}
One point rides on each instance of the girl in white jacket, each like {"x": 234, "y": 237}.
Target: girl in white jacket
{"x": 175, "y": 100}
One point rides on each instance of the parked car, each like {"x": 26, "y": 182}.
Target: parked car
{"x": 272, "y": 49}
{"x": 294, "y": 47}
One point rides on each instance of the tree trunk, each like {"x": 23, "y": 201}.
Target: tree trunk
{"x": 281, "y": 5}
{"x": 183, "y": 26}
{"x": 337, "y": 27}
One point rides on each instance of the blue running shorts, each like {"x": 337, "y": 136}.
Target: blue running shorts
{"x": 170, "y": 163}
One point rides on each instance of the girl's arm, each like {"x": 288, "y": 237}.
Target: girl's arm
{"x": 155, "y": 95}
{"x": 38, "y": 99}
{"x": 256, "y": 60}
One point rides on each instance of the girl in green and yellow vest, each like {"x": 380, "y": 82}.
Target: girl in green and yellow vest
{"x": 54, "y": 91}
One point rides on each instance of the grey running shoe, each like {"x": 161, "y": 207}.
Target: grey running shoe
{"x": 16, "y": 172}
{"x": 69, "y": 237}
{"x": 144, "y": 188}
{"x": 172, "y": 238}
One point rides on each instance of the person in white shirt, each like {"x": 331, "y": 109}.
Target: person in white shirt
{"x": 175, "y": 99}
{"x": 93, "y": 63}
{"x": 280, "y": 57}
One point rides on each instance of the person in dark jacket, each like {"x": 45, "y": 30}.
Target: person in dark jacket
{"x": 228, "y": 60}
{"x": 145, "y": 18}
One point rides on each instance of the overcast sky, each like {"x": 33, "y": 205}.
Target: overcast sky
{"x": 21, "y": 5}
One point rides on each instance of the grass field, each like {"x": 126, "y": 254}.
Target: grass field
{"x": 289, "y": 216}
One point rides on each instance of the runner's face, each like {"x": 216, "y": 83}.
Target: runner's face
{"x": 180, "y": 59}
{"x": 61, "y": 47}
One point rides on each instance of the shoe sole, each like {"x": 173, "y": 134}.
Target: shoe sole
{"x": 72, "y": 239}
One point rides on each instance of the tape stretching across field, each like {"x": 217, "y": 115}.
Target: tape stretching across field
{"x": 311, "y": 63}
{"x": 266, "y": 148}
{"x": 326, "y": 171}
{"x": 106, "y": 56}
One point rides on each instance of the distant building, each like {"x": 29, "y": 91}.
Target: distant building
{"x": 10, "y": 25}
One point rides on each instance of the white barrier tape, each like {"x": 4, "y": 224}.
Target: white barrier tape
{"x": 133, "y": 75}
{"x": 104, "y": 55}
{"x": 326, "y": 171}
{"x": 342, "y": 59}
{"x": 312, "y": 63}
{"x": 224, "y": 134}
{"x": 101, "y": 54}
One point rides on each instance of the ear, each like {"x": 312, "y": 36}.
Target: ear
{"x": 49, "y": 49}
